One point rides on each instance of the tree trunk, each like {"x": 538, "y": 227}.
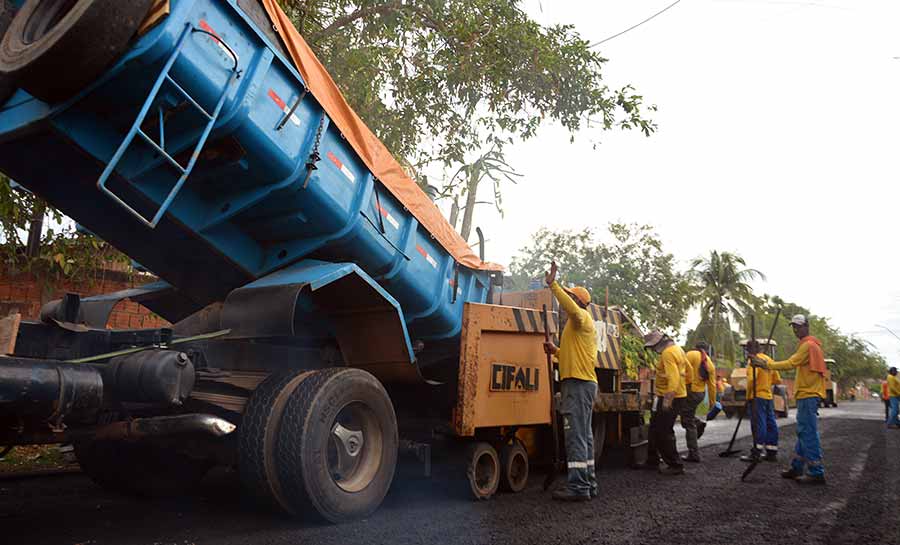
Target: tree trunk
{"x": 471, "y": 194}
{"x": 33, "y": 246}
{"x": 713, "y": 340}
{"x": 454, "y": 212}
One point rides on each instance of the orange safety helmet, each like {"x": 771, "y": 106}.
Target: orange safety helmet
{"x": 582, "y": 294}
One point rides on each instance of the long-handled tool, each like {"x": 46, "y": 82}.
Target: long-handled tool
{"x": 751, "y": 405}
{"x": 755, "y": 462}
{"x": 731, "y": 451}
{"x": 554, "y": 415}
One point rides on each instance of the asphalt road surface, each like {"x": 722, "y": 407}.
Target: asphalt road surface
{"x": 860, "y": 505}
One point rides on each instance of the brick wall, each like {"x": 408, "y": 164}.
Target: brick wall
{"x": 27, "y": 293}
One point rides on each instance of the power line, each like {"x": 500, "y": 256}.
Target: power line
{"x": 648, "y": 19}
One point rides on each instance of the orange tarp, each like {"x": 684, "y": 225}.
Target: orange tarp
{"x": 369, "y": 148}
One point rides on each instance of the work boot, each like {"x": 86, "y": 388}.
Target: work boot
{"x": 701, "y": 427}
{"x": 753, "y": 458}
{"x": 693, "y": 458}
{"x": 567, "y": 494}
{"x": 771, "y": 456}
{"x": 671, "y": 470}
{"x": 650, "y": 466}
{"x": 791, "y": 473}
{"x": 811, "y": 480}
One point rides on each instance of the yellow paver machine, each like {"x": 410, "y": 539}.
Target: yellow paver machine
{"x": 504, "y": 390}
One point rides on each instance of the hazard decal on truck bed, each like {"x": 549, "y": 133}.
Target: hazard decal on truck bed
{"x": 342, "y": 167}
{"x": 282, "y": 105}
{"x": 219, "y": 42}
{"x": 387, "y": 216}
{"x": 427, "y": 257}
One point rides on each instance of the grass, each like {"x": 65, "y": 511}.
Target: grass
{"x": 32, "y": 458}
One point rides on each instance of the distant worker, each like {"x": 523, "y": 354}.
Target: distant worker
{"x": 577, "y": 354}
{"x": 701, "y": 382}
{"x": 762, "y": 418}
{"x": 886, "y": 399}
{"x": 671, "y": 395}
{"x": 894, "y": 394}
{"x": 809, "y": 360}
{"x": 716, "y": 408}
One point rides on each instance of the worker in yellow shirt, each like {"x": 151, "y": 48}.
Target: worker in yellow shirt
{"x": 809, "y": 387}
{"x": 894, "y": 394}
{"x": 701, "y": 382}
{"x": 762, "y": 419}
{"x": 671, "y": 395}
{"x": 577, "y": 356}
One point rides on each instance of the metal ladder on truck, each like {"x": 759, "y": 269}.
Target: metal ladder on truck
{"x": 160, "y": 147}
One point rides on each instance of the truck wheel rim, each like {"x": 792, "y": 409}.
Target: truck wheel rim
{"x": 45, "y": 17}
{"x": 355, "y": 447}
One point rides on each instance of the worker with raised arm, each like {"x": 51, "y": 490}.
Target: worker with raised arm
{"x": 671, "y": 395}
{"x": 893, "y": 383}
{"x": 701, "y": 382}
{"x": 762, "y": 418}
{"x": 577, "y": 356}
{"x": 809, "y": 388}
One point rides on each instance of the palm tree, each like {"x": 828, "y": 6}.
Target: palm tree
{"x": 723, "y": 293}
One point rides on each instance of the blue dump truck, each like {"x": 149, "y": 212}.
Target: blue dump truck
{"x": 325, "y": 319}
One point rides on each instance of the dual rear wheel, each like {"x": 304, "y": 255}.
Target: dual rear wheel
{"x": 488, "y": 471}
{"x": 319, "y": 442}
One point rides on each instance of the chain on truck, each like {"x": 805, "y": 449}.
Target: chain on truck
{"x": 325, "y": 317}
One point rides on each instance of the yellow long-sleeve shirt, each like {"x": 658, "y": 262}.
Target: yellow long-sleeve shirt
{"x": 670, "y": 372}
{"x": 808, "y": 383}
{"x": 893, "y": 386}
{"x": 766, "y": 377}
{"x": 578, "y": 344}
{"x": 696, "y": 382}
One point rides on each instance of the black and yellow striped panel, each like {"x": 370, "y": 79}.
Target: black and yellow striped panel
{"x": 529, "y": 321}
{"x": 611, "y": 358}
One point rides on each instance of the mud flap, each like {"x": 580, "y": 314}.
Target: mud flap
{"x": 366, "y": 320}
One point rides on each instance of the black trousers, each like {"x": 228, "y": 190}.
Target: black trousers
{"x": 662, "y": 433}
{"x": 887, "y": 409}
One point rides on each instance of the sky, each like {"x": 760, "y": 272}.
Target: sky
{"x": 777, "y": 140}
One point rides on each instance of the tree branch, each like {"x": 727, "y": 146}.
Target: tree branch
{"x": 383, "y": 9}
{"x": 341, "y": 22}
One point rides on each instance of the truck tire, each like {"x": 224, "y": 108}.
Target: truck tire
{"x": 7, "y": 82}
{"x": 513, "y": 466}
{"x": 336, "y": 451}
{"x": 257, "y": 435}
{"x": 140, "y": 469}
{"x": 482, "y": 470}
{"x": 55, "y": 48}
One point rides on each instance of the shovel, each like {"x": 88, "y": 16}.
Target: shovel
{"x": 755, "y": 462}
{"x": 554, "y": 417}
